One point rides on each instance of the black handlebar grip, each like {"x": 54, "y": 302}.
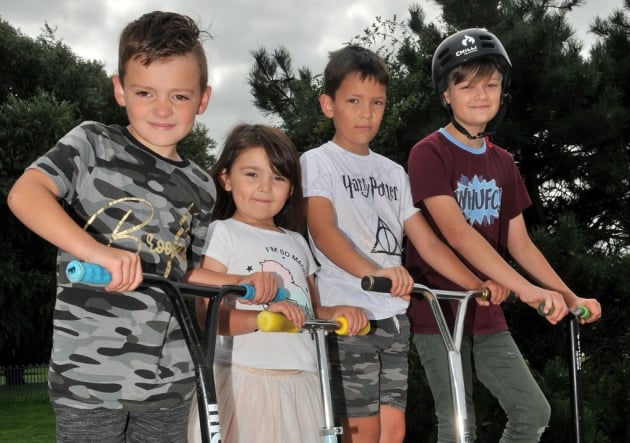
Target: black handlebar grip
{"x": 376, "y": 284}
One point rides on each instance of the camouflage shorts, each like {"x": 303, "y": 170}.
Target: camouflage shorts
{"x": 370, "y": 371}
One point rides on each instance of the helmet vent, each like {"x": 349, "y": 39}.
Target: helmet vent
{"x": 443, "y": 54}
{"x": 444, "y": 61}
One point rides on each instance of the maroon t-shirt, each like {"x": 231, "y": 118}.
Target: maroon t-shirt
{"x": 490, "y": 192}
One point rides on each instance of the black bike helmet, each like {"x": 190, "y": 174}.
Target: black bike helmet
{"x": 463, "y": 47}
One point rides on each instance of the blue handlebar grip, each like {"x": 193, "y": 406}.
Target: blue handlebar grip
{"x": 281, "y": 293}
{"x": 80, "y": 272}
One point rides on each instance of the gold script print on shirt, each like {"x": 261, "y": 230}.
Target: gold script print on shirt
{"x": 170, "y": 249}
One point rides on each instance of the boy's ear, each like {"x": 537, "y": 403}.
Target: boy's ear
{"x": 445, "y": 99}
{"x": 119, "y": 91}
{"x": 205, "y": 99}
{"x": 327, "y": 105}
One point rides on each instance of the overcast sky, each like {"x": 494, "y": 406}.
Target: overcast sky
{"x": 309, "y": 29}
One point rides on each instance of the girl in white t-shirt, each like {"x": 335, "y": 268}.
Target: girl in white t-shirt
{"x": 267, "y": 383}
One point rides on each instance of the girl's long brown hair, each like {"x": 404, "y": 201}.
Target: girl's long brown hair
{"x": 284, "y": 160}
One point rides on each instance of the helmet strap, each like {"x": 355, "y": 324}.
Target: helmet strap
{"x": 463, "y": 130}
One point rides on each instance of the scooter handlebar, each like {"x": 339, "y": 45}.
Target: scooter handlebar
{"x": 91, "y": 273}
{"x": 384, "y": 284}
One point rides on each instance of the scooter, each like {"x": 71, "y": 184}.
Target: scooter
{"x": 453, "y": 341}
{"x": 89, "y": 273}
{"x": 276, "y": 322}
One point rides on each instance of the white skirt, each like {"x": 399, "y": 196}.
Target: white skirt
{"x": 264, "y": 406}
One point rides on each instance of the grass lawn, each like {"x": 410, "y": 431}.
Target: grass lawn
{"x": 27, "y": 420}
{"x": 26, "y": 414}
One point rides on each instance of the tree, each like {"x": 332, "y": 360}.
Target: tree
{"x": 48, "y": 64}
{"x": 609, "y": 58}
{"x": 45, "y": 90}
{"x": 278, "y": 91}
{"x": 197, "y": 146}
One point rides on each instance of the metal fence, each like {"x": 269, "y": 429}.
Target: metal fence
{"x": 28, "y": 381}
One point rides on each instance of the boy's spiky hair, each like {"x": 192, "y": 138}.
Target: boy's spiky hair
{"x": 160, "y": 35}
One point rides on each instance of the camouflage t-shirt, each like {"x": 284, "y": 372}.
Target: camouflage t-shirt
{"x": 124, "y": 350}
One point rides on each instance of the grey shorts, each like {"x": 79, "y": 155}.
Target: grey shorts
{"x": 372, "y": 370}
{"x": 117, "y": 426}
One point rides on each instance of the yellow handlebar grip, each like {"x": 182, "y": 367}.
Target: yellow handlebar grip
{"x": 343, "y": 327}
{"x": 274, "y": 322}
{"x": 365, "y": 330}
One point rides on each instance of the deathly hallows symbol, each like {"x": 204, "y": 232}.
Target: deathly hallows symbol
{"x": 386, "y": 242}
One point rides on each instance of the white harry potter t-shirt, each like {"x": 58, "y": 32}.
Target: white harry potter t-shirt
{"x": 372, "y": 200}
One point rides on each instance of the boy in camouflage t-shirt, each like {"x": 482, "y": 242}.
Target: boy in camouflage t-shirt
{"x": 120, "y": 370}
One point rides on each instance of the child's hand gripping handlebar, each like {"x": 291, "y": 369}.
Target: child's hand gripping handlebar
{"x": 581, "y": 312}
{"x": 91, "y": 273}
{"x": 276, "y": 322}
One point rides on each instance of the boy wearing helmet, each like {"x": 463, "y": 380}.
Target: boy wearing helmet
{"x": 473, "y": 196}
